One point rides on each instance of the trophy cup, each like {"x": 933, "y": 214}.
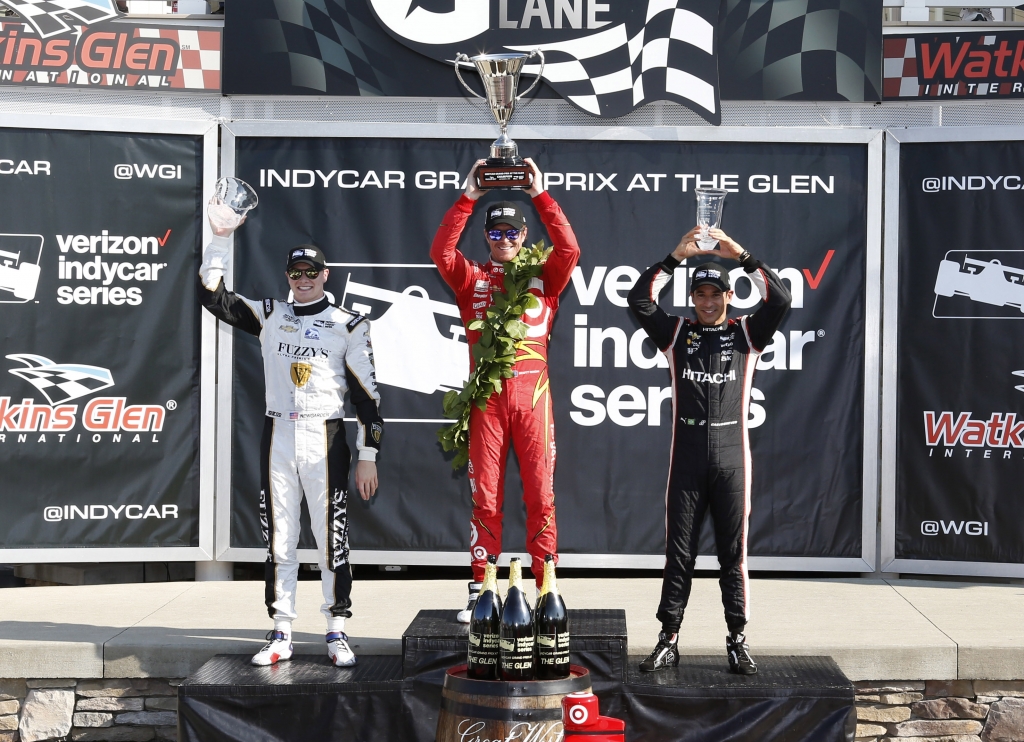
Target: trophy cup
{"x": 232, "y": 200}
{"x": 500, "y": 75}
{"x": 709, "y": 215}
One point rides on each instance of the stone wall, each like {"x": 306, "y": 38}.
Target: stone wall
{"x": 107, "y": 710}
{"x": 940, "y": 711}
{"x": 140, "y": 710}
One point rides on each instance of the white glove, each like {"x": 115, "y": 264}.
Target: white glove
{"x": 216, "y": 259}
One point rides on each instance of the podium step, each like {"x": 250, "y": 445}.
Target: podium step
{"x": 435, "y": 641}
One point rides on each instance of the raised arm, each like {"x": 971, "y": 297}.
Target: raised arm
{"x": 453, "y": 265}
{"x": 225, "y": 305}
{"x": 661, "y": 327}
{"x": 762, "y": 324}
{"x": 566, "y": 251}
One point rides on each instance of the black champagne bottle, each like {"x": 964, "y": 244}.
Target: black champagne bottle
{"x": 552, "y": 622}
{"x": 517, "y": 637}
{"x": 484, "y": 627}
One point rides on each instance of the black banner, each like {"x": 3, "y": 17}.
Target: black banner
{"x": 99, "y": 395}
{"x": 960, "y": 387}
{"x": 374, "y": 204}
{"x": 606, "y": 58}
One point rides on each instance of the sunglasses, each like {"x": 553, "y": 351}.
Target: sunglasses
{"x": 295, "y": 274}
{"x": 496, "y": 234}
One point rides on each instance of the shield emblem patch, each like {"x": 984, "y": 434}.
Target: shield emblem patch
{"x": 301, "y": 373}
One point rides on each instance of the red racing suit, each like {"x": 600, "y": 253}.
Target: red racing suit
{"x": 522, "y": 413}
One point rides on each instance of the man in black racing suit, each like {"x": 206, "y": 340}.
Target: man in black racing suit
{"x": 712, "y": 362}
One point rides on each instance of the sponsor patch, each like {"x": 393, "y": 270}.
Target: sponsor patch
{"x": 268, "y": 307}
{"x": 300, "y": 373}
{"x": 482, "y": 284}
{"x": 354, "y": 322}
{"x": 326, "y": 324}
{"x": 376, "y": 431}
{"x": 311, "y": 334}
{"x": 289, "y": 328}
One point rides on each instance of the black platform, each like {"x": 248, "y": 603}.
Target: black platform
{"x": 435, "y": 641}
{"x": 791, "y": 699}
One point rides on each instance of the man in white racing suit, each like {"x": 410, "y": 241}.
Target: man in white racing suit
{"x": 313, "y": 353}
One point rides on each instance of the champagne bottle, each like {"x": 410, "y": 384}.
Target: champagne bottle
{"x": 516, "y": 636}
{"x": 552, "y": 622}
{"x": 484, "y": 627}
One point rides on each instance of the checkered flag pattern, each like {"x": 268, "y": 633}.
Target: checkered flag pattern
{"x": 609, "y": 73}
{"x": 61, "y": 382}
{"x": 801, "y": 50}
{"x": 47, "y": 16}
{"x": 329, "y": 48}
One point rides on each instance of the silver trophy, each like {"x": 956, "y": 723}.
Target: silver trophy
{"x": 709, "y": 215}
{"x": 500, "y": 75}
{"x": 233, "y": 198}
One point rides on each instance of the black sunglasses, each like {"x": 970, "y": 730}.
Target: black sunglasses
{"x": 495, "y": 234}
{"x": 295, "y": 274}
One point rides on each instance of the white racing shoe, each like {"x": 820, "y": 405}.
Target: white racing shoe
{"x": 279, "y": 647}
{"x": 339, "y": 651}
{"x": 467, "y": 615}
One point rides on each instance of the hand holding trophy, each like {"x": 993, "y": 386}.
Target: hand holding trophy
{"x": 500, "y": 75}
{"x": 232, "y": 200}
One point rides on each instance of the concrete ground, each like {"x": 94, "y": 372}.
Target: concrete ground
{"x": 875, "y": 629}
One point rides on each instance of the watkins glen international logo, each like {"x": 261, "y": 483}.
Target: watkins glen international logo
{"x": 606, "y": 58}
{"x": 1000, "y": 430}
{"x": 61, "y": 383}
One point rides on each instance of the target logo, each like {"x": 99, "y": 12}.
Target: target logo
{"x": 578, "y": 714}
{"x": 480, "y": 552}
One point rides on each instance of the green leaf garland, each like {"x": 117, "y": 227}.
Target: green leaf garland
{"x": 495, "y": 351}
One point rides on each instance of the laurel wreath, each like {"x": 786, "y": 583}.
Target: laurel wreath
{"x": 495, "y": 351}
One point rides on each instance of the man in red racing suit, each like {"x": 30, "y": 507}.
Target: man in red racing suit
{"x": 522, "y": 413}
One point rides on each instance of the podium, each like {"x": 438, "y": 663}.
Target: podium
{"x": 388, "y": 698}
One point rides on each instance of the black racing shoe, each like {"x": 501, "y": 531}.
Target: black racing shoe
{"x": 467, "y": 615}
{"x": 740, "y": 661}
{"x": 665, "y": 654}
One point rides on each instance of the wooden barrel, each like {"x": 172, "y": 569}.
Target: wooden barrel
{"x": 493, "y": 710}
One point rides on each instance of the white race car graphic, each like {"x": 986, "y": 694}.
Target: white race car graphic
{"x": 19, "y": 267}
{"x": 409, "y": 350}
{"x": 61, "y": 382}
{"x": 988, "y": 282}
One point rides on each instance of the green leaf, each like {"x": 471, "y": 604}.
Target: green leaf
{"x": 516, "y": 329}
{"x": 476, "y": 324}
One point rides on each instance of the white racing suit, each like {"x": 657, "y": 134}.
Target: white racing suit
{"x": 312, "y": 355}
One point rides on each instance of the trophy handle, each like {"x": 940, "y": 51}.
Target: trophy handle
{"x": 534, "y": 53}
{"x": 460, "y": 57}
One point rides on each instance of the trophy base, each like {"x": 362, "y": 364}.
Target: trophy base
{"x": 509, "y": 173}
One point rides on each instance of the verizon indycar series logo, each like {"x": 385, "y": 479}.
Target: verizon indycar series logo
{"x": 61, "y": 383}
{"x": 980, "y": 285}
{"x": 19, "y": 267}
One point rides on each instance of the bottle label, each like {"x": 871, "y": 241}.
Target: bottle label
{"x": 553, "y": 649}
{"x": 483, "y": 649}
{"x": 517, "y": 653}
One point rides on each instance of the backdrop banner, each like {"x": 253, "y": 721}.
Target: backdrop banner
{"x": 960, "y": 387}
{"x": 373, "y": 206}
{"x": 99, "y": 395}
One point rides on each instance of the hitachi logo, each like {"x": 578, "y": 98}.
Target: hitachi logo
{"x": 1001, "y": 430}
{"x": 704, "y": 378}
{"x": 301, "y": 351}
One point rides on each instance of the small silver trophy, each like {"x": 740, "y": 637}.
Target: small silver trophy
{"x": 709, "y": 215}
{"x": 233, "y": 198}
{"x": 500, "y": 75}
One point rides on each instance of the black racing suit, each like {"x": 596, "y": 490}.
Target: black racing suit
{"x": 712, "y": 371}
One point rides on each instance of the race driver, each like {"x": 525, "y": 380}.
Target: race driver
{"x": 521, "y": 415}
{"x": 313, "y": 353}
{"x": 712, "y": 361}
